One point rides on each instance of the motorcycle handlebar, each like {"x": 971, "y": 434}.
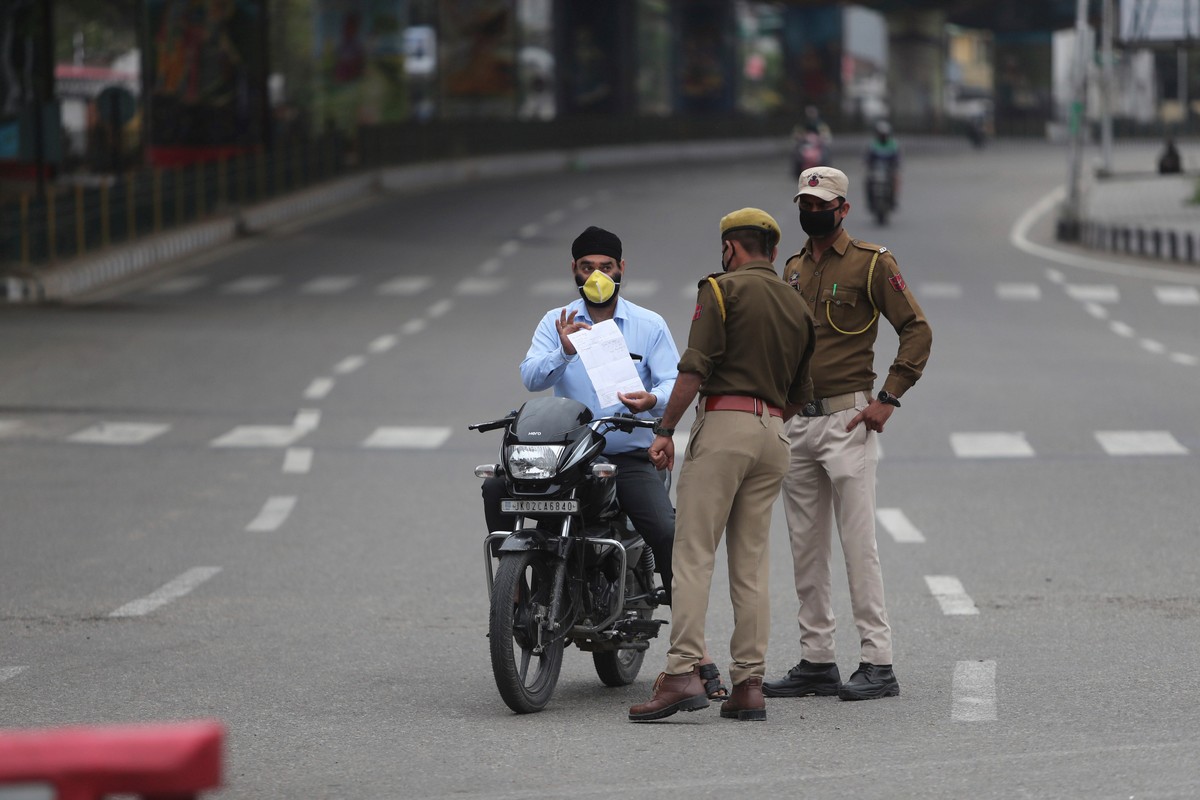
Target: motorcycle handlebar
{"x": 626, "y": 422}
{"x": 484, "y": 427}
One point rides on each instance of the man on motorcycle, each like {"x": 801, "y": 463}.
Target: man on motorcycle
{"x": 884, "y": 151}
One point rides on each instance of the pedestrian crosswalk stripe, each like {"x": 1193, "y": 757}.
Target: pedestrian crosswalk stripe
{"x": 180, "y": 285}
{"x": 418, "y": 438}
{"x": 252, "y": 284}
{"x": 8, "y": 673}
{"x": 172, "y": 590}
{"x": 330, "y": 284}
{"x": 974, "y": 691}
{"x": 413, "y": 284}
{"x": 1139, "y": 443}
{"x": 948, "y": 591}
{"x": 1018, "y": 291}
{"x": 1178, "y": 295}
{"x": 898, "y": 525}
{"x": 261, "y": 436}
{"x": 990, "y": 445}
{"x": 939, "y": 291}
{"x": 1093, "y": 293}
{"x": 119, "y": 433}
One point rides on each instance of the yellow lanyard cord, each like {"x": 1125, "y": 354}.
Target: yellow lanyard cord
{"x": 721, "y": 298}
{"x": 870, "y": 296}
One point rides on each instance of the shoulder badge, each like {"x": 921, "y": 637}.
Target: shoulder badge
{"x": 877, "y": 248}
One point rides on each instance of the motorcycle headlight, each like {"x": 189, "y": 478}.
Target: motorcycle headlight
{"x": 533, "y": 461}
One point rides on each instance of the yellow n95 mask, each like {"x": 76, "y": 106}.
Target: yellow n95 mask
{"x": 599, "y": 289}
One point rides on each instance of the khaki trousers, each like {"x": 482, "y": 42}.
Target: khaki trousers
{"x": 832, "y": 477}
{"x": 733, "y": 467}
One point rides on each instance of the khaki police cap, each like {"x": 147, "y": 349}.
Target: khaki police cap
{"x": 750, "y": 219}
{"x": 826, "y": 183}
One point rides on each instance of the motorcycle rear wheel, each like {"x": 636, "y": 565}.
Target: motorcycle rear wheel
{"x": 526, "y": 679}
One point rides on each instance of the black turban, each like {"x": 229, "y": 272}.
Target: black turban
{"x": 596, "y": 241}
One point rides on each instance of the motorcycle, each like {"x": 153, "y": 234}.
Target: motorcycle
{"x": 881, "y": 198}
{"x": 579, "y": 573}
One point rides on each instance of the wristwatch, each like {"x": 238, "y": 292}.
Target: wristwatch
{"x": 889, "y": 398}
{"x": 659, "y": 430}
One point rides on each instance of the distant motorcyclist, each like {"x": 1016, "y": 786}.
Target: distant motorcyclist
{"x": 811, "y": 140}
{"x": 884, "y": 151}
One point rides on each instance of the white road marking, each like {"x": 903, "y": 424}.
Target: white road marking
{"x": 1096, "y": 310}
{"x": 510, "y": 248}
{"x": 1018, "y": 291}
{"x": 407, "y": 438}
{"x": 898, "y": 525}
{"x": 318, "y": 388}
{"x": 941, "y": 291}
{"x": 580, "y": 203}
{"x": 180, "y": 285}
{"x": 349, "y": 364}
{"x": 119, "y": 433}
{"x": 260, "y": 436}
{"x": 530, "y": 230}
{"x": 274, "y": 513}
{"x": 551, "y": 286}
{"x": 554, "y": 216}
{"x": 1093, "y": 292}
{"x": 8, "y": 426}
{"x": 1055, "y": 276}
{"x": 8, "y": 673}
{"x": 990, "y": 445}
{"x": 383, "y": 343}
{"x": 1140, "y": 443}
{"x": 307, "y": 419}
{"x": 329, "y": 284}
{"x": 1187, "y": 359}
{"x": 172, "y": 590}
{"x": 298, "y": 460}
{"x": 480, "y": 286}
{"x": 410, "y": 285}
{"x": 1178, "y": 295}
{"x": 974, "y": 692}
{"x": 1153, "y": 346}
{"x": 951, "y": 596}
{"x": 440, "y": 308}
{"x": 489, "y": 267}
{"x": 1121, "y": 329}
{"x": 252, "y": 284}
{"x": 412, "y": 326}
{"x": 639, "y": 289}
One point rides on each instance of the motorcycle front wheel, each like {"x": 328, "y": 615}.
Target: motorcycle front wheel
{"x": 523, "y": 585}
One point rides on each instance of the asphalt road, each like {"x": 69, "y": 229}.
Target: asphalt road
{"x": 242, "y": 489}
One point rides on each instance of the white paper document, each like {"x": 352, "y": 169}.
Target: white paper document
{"x": 606, "y": 359}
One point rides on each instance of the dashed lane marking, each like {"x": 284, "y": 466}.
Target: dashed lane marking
{"x": 8, "y": 427}
{"x": 8, "y": 673}
{"x": 119, "y": 433}
{"x": 382, "y": 344}
{"x": 412, "y": 326}
{"x": 1018, "y": 291}
{"x": 411, "y": 285}
{"x": 490, "y": 266}
{"x": 307, "y": 419}
{"x": 1153, "y": 346}
{"x": 1096, "y": 310}
{"x": 1178, "y": 295}
{"x": 898, "y": 525}
{"x": 1121, "y": 329}
{"x": 417, "y": 438}
{"x": 329, "y": 284}
{"x": 180, "y": 285}
{"x": 252, "y": 284}
{"x": 951, "y": 596}
{"x": 530, "y": 230}
{"x": 273, "y": 514}
{"x": 509, "y": 248}
{"x": 440, "y": 308}
{"x": 974, "y": 691}
{"x": 261, "y": 436}
{"x": 1186, "y": 359}
{"x": 480, "y": 286}
{"x": 318, "y": 389}
{"x": 349, "y": 364}
{"x": 172, "y": 590}
{"x": 928, "y": 291}
{"x": 997, "y": 444}
{"x": 298, "y": 460}
{"x": 1093, "y": 293}
{"x": 1140, "y": 443}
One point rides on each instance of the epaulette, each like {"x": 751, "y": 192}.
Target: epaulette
{"x": 874, "y": 248}
{"x": 707, "y": 278}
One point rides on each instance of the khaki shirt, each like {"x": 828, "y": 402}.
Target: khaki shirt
{"x": 763, "y": 346}
{"x": 835, "y": 290}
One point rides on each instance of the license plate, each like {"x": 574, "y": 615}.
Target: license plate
{"x": 539, "y": 506}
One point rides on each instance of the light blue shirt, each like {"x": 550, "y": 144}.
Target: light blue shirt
{"x": 646, "y": 335}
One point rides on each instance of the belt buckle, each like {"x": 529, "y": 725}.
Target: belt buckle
{"x": 811, "y": 409}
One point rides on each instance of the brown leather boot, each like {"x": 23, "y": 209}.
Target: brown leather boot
{"x": 746, "y": 702}
{"x": 672, "y": 693}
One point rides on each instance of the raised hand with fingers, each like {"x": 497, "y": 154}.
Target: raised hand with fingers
{"x": 566, "y": 324}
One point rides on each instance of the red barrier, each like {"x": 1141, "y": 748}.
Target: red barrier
{"x": 173, "y": 761}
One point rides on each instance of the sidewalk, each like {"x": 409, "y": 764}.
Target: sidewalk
{"x": 1145, "y": 215}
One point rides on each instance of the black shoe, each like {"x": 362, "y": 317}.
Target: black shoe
{"x": 870, "y": 681}
{"x": 804, "y": 679}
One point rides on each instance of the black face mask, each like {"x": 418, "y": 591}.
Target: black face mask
{"x": 726, "y": 262}
{"x": 819, "y": 223}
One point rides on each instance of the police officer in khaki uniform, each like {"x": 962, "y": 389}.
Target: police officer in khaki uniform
{"x": 848, "y": 284}
{"x": 747, "y": 357}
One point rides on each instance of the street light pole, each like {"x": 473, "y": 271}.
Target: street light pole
{"x": 1069, "y": 218}
{"x": 1106, "y": 86}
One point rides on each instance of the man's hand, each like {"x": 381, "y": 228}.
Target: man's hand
{"x": 662, "y": 453}
{"x": 566, "y": 325}
{"x": 873, "y": 416}
{"x": 638, "y": 402}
